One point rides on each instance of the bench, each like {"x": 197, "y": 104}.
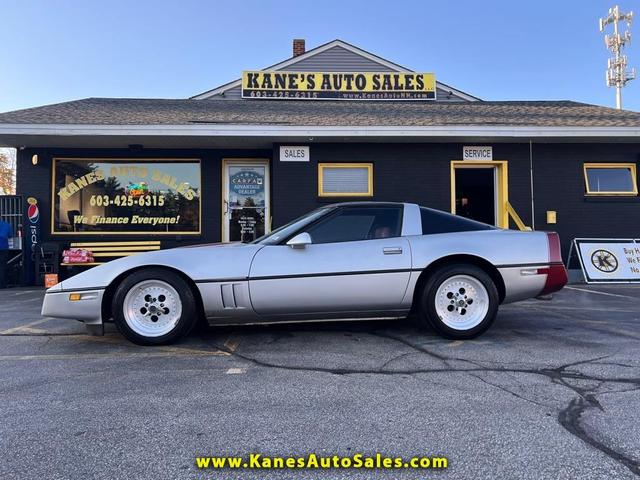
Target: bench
{"x": 105, "y": 251}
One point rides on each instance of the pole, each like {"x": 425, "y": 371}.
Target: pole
{"x": 616, "y": 16}
{"x": 617, "y": 74}
{"x": 533, "y": 202}
{"x": 619, "y": 98}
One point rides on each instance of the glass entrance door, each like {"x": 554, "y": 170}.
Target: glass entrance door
{"x": 246, "y": 200}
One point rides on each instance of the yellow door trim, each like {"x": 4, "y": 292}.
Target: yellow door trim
{"x": 502, "y": 186}
{"x": 267, "y": 192}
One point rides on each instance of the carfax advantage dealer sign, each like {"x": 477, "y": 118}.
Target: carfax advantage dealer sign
{"x": 339, "y": 85}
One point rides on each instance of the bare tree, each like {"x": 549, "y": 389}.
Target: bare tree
{"x": 7, "y": 171}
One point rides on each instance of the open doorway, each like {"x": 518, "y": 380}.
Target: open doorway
{"x": 476, "y": 194}
{"x": 479, "y": 191}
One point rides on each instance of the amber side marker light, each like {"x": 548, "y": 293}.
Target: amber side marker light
{"x": 74, "y": 297}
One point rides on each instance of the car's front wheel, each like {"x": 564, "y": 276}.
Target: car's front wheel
{"x": 154, "y": 306}
{"x": 459, "y": 301}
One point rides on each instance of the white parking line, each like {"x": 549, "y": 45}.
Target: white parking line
{"x": 600, "y": 293}
{"x": 236, "y": 371}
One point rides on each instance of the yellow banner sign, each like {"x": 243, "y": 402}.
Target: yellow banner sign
{"x": 339, "y": 85}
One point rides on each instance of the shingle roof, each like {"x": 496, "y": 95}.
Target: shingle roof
{"x": 119, "y": 111}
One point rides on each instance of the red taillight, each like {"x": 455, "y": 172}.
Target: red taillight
{"x": 556, "y": 273}
{"x": 556, "y": 278}
{"x": 554, "y": 247}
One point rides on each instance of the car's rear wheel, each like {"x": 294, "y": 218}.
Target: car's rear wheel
{"x": 153, "y": 307}
{"x": 459, "y": 301}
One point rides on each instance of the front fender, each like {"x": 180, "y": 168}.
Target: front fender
{"x": 207, "y": 262}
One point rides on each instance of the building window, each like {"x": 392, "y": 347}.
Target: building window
{"x": 126, "y": 196}
{"x": 345, "y": 179}
{"x": 610, "y": 178}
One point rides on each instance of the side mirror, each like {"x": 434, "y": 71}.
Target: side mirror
{"x": 300, "y": 241}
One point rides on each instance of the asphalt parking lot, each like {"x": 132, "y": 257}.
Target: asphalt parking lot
{"x": 551, "y": 391}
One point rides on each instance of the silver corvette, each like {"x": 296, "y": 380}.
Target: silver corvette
{"x": 364, "y": 260}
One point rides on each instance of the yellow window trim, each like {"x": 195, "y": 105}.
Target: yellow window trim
{"x": 141, "y": 248}
{"x": 625, "y": 166}
{"x": 502, "y": 185}
{"x": 114, "y": 254}
{"x": 322, "y": 166}
{"x": 150, "y": 243}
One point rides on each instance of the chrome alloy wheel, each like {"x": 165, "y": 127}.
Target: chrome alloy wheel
{"x": 462, "y": 302}
{"x": 152, "y": 308}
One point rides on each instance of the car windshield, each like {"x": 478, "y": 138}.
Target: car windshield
{"x": 285, "y": 231}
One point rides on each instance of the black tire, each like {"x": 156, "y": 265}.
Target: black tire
{"x": 428, "y": 314}
{"x": 184, "y": 324}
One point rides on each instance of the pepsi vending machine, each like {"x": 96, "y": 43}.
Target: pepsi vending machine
{"x": 31, "y": 240}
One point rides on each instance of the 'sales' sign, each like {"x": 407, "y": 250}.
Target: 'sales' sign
{"x": 339, "y": 85}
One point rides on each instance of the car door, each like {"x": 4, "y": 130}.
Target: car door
{"x": 357, "y": 262}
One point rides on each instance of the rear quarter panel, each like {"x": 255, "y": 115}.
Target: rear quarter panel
{"x": 511, "y": 252}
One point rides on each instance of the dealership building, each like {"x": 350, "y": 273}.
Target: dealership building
{"x": 333, "y": 123}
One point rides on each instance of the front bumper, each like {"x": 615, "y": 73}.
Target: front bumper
{"x": 88, "y": 309}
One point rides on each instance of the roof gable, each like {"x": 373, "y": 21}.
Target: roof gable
{"x": 335, "y": 56}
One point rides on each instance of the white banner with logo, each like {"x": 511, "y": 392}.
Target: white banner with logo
{"x": 609, "y": 260}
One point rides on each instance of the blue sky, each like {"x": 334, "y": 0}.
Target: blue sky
{"x": 59, "y": 50}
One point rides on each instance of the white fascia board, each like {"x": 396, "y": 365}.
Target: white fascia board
{"x": 457, "y": 93}
{"x": 318, "y": 131}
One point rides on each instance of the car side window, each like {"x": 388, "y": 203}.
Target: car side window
{"x": 436, "y": 221}
{"x": 350, "y": 224}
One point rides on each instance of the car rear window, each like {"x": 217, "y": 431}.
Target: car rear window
{"x": 436, "y": 221}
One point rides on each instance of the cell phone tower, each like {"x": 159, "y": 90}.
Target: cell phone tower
{"x": 617, "y": 74}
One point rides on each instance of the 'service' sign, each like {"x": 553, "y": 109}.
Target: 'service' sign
{"x": 477, "y": 153}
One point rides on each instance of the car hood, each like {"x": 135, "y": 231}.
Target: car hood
{"x": 200, "y": 262}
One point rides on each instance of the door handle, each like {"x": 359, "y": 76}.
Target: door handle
{"x": 392, "y": 250}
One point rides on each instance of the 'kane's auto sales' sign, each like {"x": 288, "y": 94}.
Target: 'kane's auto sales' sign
{"x": 339, "y": 85}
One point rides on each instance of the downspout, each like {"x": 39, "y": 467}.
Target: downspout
{"x": 533, "y": 203}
